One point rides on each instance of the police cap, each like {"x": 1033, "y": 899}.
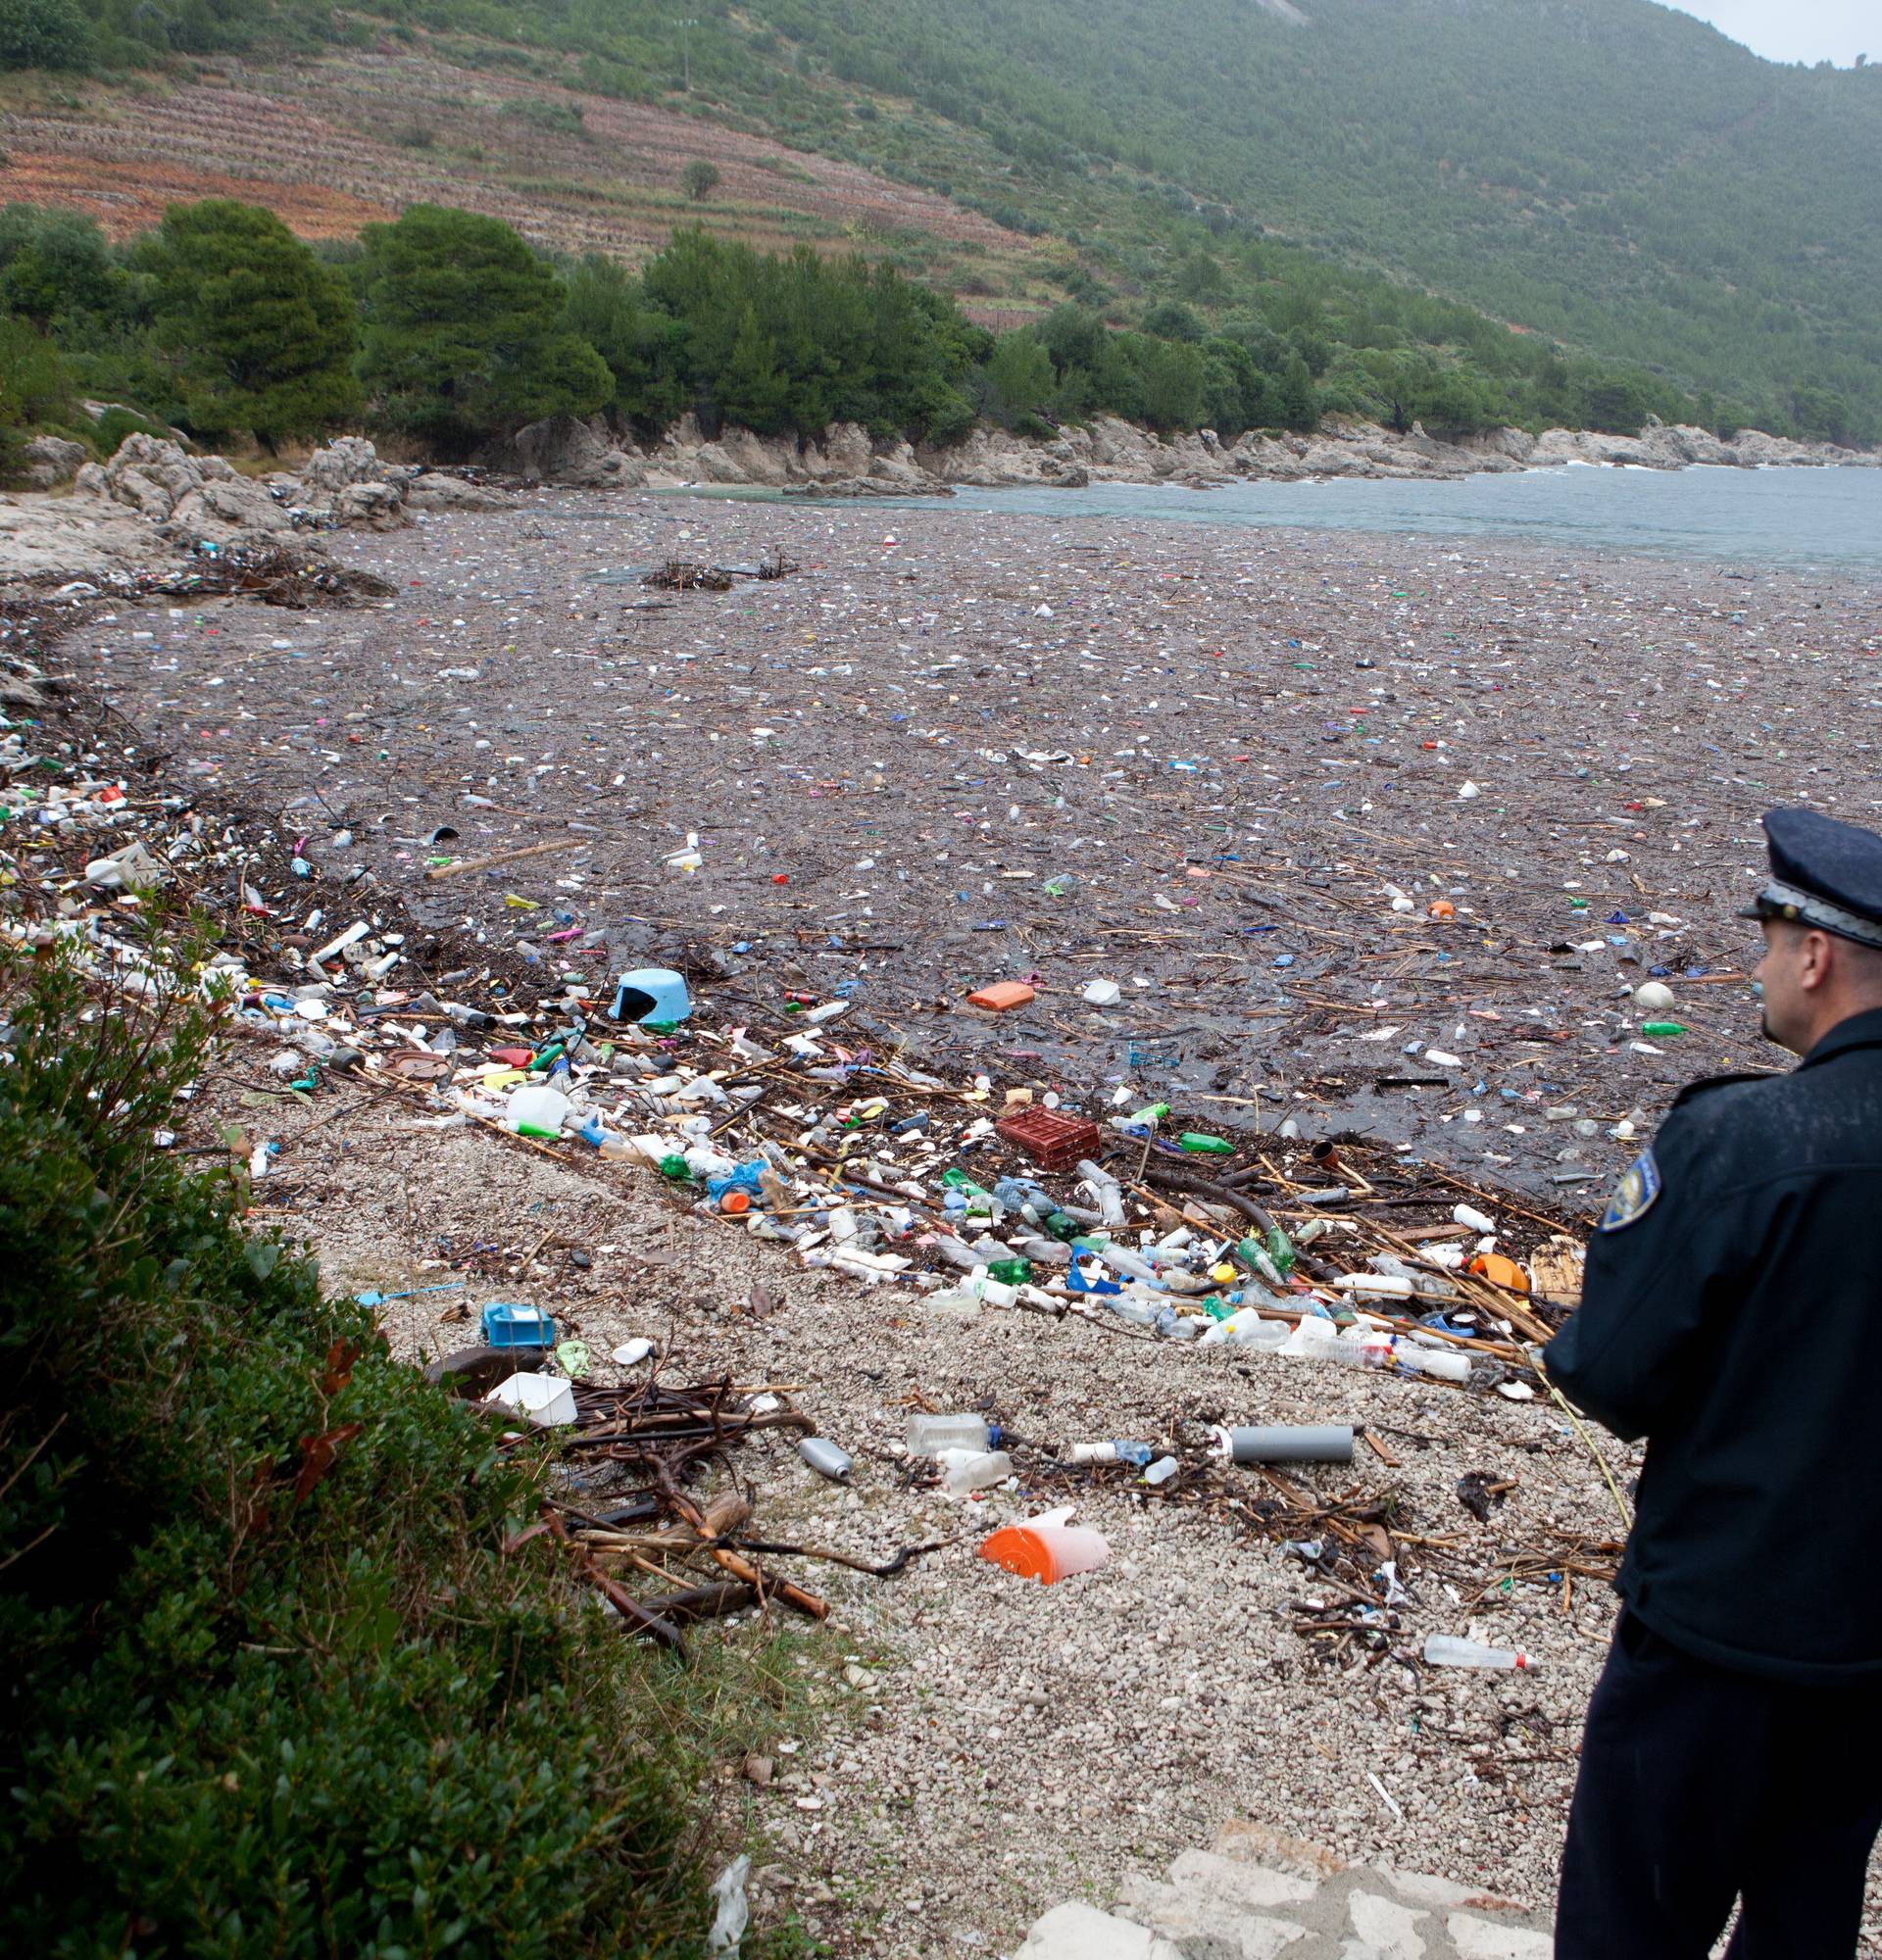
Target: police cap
{"x": 1824, "y": 874}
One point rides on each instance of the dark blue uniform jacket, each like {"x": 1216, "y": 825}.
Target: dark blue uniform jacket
{"x": 1735, "y": 1321}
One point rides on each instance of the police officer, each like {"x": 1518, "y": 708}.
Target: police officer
{"x": 1732, "y": 1315}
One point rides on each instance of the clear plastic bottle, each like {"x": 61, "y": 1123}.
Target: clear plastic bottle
{"x": 929, "y": 1435}
{"x": 964, "y": 1470}
{"x": 1443, "y": 1651}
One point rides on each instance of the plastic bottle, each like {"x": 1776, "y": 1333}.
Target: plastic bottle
{"x": 1443, "y": 1365}
{"x": 1009, "y": 1272}
{"x": 1200, "y": 1144}
{"x": 1107, "y": 1191}
{"x": 826, "y": 1458}
{"x": 929, "y": 1435}
{"x": 1441, "y": 1651}
{"x": 1120, "y": 1452}
{"x": 538, "y": 1106}
{"x": 964, "y": 1470}
{"x": 1121, "y": 1259}
{"x": 1017, "y": 1192}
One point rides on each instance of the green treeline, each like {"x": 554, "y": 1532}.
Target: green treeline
{"x": 447, "y": 329}
{"x": 1618, "y": 178}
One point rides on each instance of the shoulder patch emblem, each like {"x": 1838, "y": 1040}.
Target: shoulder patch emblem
{"x": 1634, "y": 1194}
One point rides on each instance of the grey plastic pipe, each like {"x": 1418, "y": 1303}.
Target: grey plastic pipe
{"x": 1326, "y": 1442}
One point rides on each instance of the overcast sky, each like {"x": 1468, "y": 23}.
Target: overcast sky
{"x": 1793, "y": 30}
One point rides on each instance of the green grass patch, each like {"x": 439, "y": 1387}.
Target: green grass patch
{"x": 277, "y": 1688}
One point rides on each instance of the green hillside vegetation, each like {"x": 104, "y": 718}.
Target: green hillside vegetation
{"x": 447, "y": 328}
{"x": 1657, "y": 209}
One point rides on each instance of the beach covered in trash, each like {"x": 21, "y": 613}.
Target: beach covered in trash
{"x": 1342, "y": 912}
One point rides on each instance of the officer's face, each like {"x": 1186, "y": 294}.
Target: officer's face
{"x": 1788, "y": 1011}
{"x": 1790, "y": 979}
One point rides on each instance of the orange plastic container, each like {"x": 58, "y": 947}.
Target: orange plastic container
{"x": 1498, "y": 1271}
{"x": 1046, "y": 1548}
{"x": 1001, "y": 996}
{"x": 735, "y": 1201}
{"x": 1442, "y": 908}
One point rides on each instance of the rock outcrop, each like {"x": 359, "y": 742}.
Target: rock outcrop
{"x": 564, "y": 450}
{"x": 187, "y": 498}
{"x": 52, "y": 461}
{"x": 153, "y": 502}
{"x": 197, "y": 499}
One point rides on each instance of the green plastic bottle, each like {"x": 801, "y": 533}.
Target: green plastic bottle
{"x": 1664, "y": 1029}
{"x": 1204, "y": 1145}
{"x": 1010, "y": 1272}
{"x": 1280, "y": 1250}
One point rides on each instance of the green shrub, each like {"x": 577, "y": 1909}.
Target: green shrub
{"x": 460, "y": 331}
{"x": 275, "y": 1690}
{"x": 109, "y": 431}
{"x": 255, "y": 333}
{"x": 43, "y": 34}
{"x": 35, "y": 389}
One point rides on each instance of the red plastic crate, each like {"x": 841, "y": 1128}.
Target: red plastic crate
{"x": 1053, "y": 1140}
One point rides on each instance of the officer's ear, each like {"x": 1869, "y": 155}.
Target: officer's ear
{"x": 1816, "y": 961}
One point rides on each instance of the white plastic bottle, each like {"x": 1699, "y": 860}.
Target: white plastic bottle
{"x": 1443, "y": 1651}
{"x": 1444, "y": 1365}
{"x": 538, "y": 1106}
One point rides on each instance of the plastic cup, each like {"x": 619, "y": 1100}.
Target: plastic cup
{"x": 1047, "y": 1552}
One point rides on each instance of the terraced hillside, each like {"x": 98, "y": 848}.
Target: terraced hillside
{"x": 345, "y": 139}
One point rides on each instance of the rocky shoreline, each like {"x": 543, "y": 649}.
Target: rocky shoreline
{"x": 846, "y": 462}
{"x": 153, "y": 503}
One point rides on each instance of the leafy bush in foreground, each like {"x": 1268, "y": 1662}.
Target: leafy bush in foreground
{"x": 275, "y": 1691}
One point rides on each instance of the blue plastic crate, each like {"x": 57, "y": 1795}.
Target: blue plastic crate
{"x": 505, "y": 1324}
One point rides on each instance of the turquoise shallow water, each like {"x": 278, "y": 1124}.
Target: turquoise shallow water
{"x": 1827, "y": 518}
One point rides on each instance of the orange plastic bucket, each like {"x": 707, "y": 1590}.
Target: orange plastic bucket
{"x": 1046, "y": 1549}
{"x": 1498, "y": 1271}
